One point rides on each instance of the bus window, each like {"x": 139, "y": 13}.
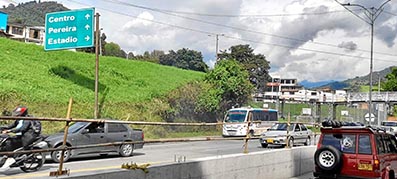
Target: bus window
{"x": 236, "y": 116}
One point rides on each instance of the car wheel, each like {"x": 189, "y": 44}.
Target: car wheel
{"x": 308, "y": 141}
{"x": 328, "y": 159}
{"x": 56, "y": 155}
{"x": 264, "y": 145}
{"x": 291, "y": 142}
{"x": 391, "y": 174}
{"x": 126, "y": 150}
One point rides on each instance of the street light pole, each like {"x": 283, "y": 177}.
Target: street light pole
{"x": 371, "y": 15}
{"x": 216, "y": 45}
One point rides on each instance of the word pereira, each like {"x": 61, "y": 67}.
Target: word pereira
{"x": 62, "y": 29}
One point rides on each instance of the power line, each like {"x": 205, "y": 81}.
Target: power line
{"x": 305, "y": 49}
{"x": 386, "y": 12}
{"x": 230, "y": 37}
{"x": 245, "y": 15}
{"x": 239, "y": 29}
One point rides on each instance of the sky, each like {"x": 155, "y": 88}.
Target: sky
{"x": 314, "y": 40}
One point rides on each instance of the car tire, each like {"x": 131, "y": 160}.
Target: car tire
{"x": 264, "y": 145}
{"x": 126, "y": 150}
{"x": 291, "y": 142}
{"x": 308, "y": 141}
{"x": 56, "y": 155}
{"x": 391, "y": 174}
{"x": 328, "y": 159}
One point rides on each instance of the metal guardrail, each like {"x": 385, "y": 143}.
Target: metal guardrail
{"x": 63, "y": 148}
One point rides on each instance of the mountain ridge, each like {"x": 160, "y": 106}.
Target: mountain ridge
{"x": 352, "y": 84}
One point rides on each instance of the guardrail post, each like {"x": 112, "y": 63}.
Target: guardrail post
{"x": 65, "y": 135}
{"x": 247, "y": 136}
{"x": 288, "y": 124}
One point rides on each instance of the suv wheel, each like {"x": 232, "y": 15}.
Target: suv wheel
{"x": 328, "y": 159}
{"x": 308, "y": 141}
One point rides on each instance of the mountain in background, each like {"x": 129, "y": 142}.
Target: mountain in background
{"x": 31, "y": 13}
{"x": 308, "y": 84}
{"x": 354, "y": 84}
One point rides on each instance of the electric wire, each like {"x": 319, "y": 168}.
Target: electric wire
{"x": 230, "y": 37}
{"x": 241, "y": 29}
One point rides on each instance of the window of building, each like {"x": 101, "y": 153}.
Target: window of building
{"x": 17, "y": 30}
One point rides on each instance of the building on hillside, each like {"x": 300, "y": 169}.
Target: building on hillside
{"x": 280, "y": 87}
{"x": 33, "y": 34}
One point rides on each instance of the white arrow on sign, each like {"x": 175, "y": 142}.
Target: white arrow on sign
{"x": 87, "y": 38}
{"x": 87, "y": 26}
{"x": 87, "y": 16}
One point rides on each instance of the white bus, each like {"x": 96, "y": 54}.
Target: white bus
{"x": 236, "y": 120}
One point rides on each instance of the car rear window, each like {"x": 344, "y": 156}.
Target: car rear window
{"x": 346, "y": 143}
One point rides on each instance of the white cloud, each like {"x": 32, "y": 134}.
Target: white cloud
{"x": 297, "y": 46}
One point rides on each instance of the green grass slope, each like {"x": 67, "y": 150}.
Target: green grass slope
{"x": 44, "y": 81}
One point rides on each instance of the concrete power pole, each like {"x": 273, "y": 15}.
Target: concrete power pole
{"x": 370, "y": 16}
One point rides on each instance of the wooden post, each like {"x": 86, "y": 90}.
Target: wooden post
{"x": 247, "y": 136}
{"x": 97, "y": 36}
{"x": 288, "y": 124}
{"x": 65, "y": 135}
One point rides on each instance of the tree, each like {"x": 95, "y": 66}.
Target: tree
{"x": 229, "y": 87}
{"x": 130, "y": 55}
{"x": 113, "y": 49}
{"x": 184, "y": 58}
{"x": 391, "y": 81}
{"x": 256, "y": 64}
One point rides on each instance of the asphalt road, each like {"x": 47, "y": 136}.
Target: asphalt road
{"x": 159, "y": 153}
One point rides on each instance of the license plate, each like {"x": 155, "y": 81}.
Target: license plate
{"x": 365, "y": 166}
{"x": 270, "y": 141}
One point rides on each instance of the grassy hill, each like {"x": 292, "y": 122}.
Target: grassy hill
{"x": 44, "y": 81}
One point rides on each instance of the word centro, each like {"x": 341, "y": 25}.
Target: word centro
{"x": 54, "y": 41}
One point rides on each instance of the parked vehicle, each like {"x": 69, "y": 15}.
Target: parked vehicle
{"x": 89, "y": 133}
{"x": 236, "y": 120}
{"x": 29, "y": 162}
{"x": 390, "y": 126}
{"x": 355, "y": 152}
{"x": 279, "y": 132}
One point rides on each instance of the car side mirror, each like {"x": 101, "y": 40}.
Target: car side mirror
{"x": 85, "y": 131}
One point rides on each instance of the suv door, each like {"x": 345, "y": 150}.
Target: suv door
{"x": 390, "y": 158}
{"x": 348, "y": 148}
{"x": 365, "y": 155}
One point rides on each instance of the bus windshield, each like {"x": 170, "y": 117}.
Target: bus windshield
{"x": 236, "y": 116}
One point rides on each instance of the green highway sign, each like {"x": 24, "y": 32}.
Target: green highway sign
{"x": 69, "y": 29}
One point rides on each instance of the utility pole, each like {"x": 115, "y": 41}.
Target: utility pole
{"x": 371, "y": 15}
{"x": 216, "y": 45}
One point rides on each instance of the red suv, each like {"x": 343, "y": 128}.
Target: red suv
{"x": 355, "y": 152}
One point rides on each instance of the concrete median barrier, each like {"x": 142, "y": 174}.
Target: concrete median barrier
{"x": 280, "y": 164}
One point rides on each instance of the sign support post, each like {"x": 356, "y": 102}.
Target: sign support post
{"x": 97, "y": 36}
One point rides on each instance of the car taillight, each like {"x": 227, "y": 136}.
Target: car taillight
{"x": 143, "y": 135}
{"x": 376, "y": 163}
